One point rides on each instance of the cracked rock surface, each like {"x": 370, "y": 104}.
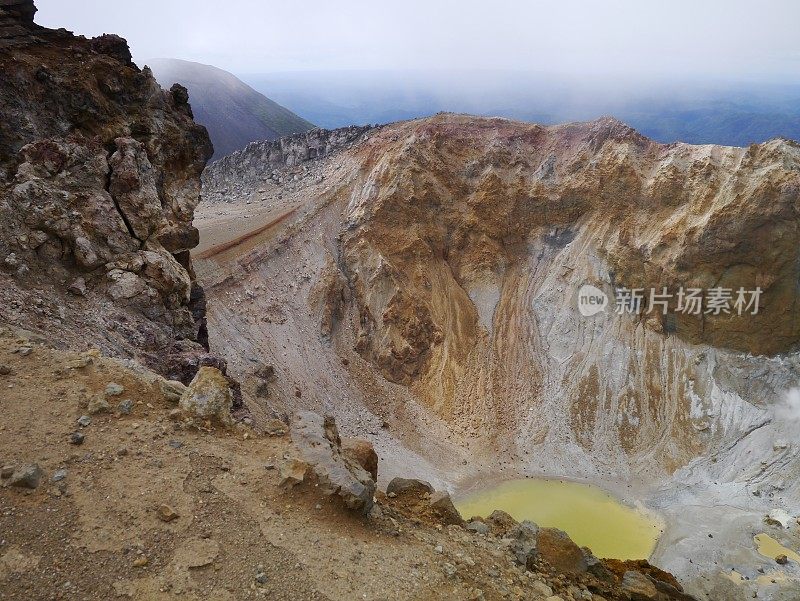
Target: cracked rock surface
{"x": 99, "y": 177}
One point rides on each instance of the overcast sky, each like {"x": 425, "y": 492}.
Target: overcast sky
{"x": 739, "y": 39}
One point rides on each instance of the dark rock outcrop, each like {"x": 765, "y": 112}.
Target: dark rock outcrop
{"x": 262, "y": 160}
{"x": 16, "y": 22}
{"x": 99, "y": 177}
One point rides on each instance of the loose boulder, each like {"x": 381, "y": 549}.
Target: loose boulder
{"x": 522, "y": 542}
{"x": 408, "y": 486}
{"x": 557, "y": 548}
{"x": 26, "y": 476}
{"x": 319, "y": 458}
{"x": 208, "y": 396}
{"x": 444, "y": 510}
{"x": 639, "y": 587}
{"x": 500, "y": 522}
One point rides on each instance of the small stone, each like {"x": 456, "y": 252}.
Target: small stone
{"x": 80, "y": 363}
{"x": 98, "y": 405}
{"x": 6, "y": 471}
{"x": 78, "y": 287}
{"x": 166, "y": 513}
{"x": 477, "y": 527}
{"x": 782, "y": 560}
{"x": 175, "y": 444}
{"x": 125, "y": 406}
{"x": 172, "y": 390}
{"x": 541, "y": 588}
{"x": 5, "y": 370}
{"x": 265, "y": 372}
{"x": 59, "y": 475}
{"x": 27, "y": 476}
{"x": 114, "y": 389}
{"x": 77, "y": 438}
{"x": 639, "y": 587}
{"x": 84, "y": 421}
{"x": 261, "y": 577}
{"x": 438, "y": 549}
{"x": 140, "y": 561}
{"x": 24, "y": 351}
{"x": 275, "y": 427}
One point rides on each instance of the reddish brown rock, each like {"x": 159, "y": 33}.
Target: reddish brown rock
{"x": 362, "y": 452}
{"x": 558, "y": 549}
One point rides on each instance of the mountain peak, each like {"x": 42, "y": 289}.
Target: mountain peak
{"x": 234, "y": 113}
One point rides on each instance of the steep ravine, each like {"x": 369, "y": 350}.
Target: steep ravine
{"x": 424, "y": 290}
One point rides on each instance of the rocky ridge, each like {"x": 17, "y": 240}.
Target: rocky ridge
{"x": 263, "y": 160}
{"x": 99, "y": 177}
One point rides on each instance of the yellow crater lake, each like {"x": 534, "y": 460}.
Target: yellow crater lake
{"x": 592, "y": 517}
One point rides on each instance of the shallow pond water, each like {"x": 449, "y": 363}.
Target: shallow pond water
{"x": 769, "y": 547}
{"x": 592, "y": 517}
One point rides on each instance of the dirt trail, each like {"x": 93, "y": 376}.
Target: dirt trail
{"x": 236, "y": 241}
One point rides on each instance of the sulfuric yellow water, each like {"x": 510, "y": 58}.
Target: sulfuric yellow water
{"x": 591, "y": 516}
{"x": 769, "y": 547}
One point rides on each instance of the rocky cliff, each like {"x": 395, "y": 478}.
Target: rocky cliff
{"x": 99, "y": 177}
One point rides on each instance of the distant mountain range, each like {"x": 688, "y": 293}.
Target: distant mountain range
{"x": 234, "y": 113}
{"x": 694, "y": 111}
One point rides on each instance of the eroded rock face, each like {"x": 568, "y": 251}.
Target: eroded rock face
{"x": 99, "y": 177}
{"x": 319, "y": 458}
{"x": 453, "y": 205}
{"x": 363, "y": 453}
